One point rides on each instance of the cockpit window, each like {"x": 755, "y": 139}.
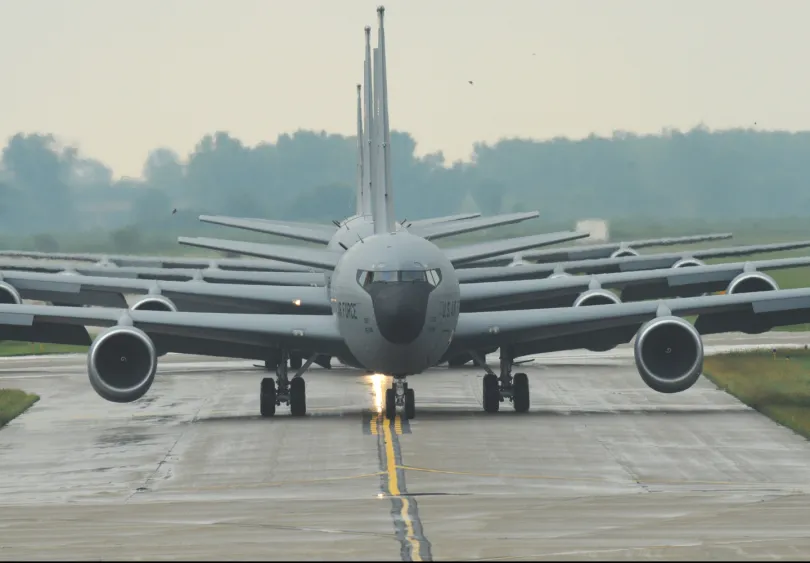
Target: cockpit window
{"x": 366, "y": 278}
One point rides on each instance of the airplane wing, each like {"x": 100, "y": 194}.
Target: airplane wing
{"x": 622, "y": 264}
{"x": 441, "y": 230}
{"x": 471, "y": 252}
{"x": 566, "y": 291}
{"x": 213, "y": 275}
{"x": 112, "y": 260}
{"x": 320, "y": 236}
{"x": 308, "y": 332}
{"x": 183, "y": 295}
{"x": 445, "y": 219}
{"x": 591, "y": 251}
{"x": 602, "y": 327}
{"x": 302, "y": 255}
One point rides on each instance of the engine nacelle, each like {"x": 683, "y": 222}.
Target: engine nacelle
{"x": 559, "y": 275}
{"x": 624, "y": 253}
{"x": 750, "y": 282}
{"x": 155, "y": 303}
{"x": 687, "y": 263}
{"x": 596, "y": 297}
{"x": 121, "y": 363}
{"x": 669, "y": 354}
{"x": 9, "y": 294}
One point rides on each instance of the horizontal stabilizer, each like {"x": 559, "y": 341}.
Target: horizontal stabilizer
{"x": 441, "y": 230}
{"x": 320, "y": 236}
{"x": 302, "y": 255}
{"x": 445, "y": 219}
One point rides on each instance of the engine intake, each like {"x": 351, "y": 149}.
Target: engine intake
{"x": 596, "y": 297}
{"x": 121, "y": 364}
{"x": 669, "y": 354}
{"x": 687, "y": 263}
{"x": 750, "y": 282}
{"x": 624, "y": 253}
{"x": 9, "y": 294}
{"x": 155, "y": 303}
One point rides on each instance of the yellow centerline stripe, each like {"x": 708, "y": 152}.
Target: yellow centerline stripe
{"x": 393, "y": 490}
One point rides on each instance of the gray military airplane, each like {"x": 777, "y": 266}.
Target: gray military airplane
{"x": 395, "y": 309}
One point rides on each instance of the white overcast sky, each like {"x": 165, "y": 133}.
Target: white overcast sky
{"x": 121, "y": 77}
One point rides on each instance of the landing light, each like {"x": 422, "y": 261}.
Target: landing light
{"x": 297, "y": 302}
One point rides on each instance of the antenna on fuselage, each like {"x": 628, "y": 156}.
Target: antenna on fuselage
{"x": 361, "y": 191}
{"x": 388, "y": 194}
{"x": 368, "y": 109}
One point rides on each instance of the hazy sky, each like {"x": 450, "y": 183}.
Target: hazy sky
{"x": 121, "y": 77}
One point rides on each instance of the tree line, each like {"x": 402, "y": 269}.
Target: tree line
{"x": 311, "y": 176}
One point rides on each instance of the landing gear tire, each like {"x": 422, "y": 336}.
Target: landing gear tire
{"x": 267, "y": 397}
{"x": 298, "y": 397}
{"x": 410, "y": 403}
{"x": 390, "y": 404}
{"x": 492, "y": 394}
{"x": 296, "y": 361}
{"x": 520, "y": 392}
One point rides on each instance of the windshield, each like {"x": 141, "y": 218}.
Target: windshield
{"x": 366, "y": 278}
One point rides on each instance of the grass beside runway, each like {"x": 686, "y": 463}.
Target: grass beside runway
{"x": 777, "y": 384}
{"x": 10, "y": 348}
{"x": 13, "y": 403}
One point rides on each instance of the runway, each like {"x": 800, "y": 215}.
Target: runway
{"x": 601, "y": 467}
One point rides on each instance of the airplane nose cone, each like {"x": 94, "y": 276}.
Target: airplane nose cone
{"x": 400, "y": 310}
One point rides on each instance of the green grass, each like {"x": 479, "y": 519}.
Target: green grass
{"x": 775, "y": 384}
{"x": 13, "y": 403}
{"x": 10, "y": 348}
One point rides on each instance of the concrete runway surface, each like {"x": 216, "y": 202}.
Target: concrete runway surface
{"x": 602, "y": 467}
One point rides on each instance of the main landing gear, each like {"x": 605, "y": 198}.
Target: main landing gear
{"x": 283, "y": 390}
{"x": 399, "y": 395}
{"x": 499, "y": 388}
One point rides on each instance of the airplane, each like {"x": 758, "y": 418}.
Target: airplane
{"x": 395, "y": 309}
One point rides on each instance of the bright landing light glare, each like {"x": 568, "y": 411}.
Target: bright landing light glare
{"x": 377, "y": 385}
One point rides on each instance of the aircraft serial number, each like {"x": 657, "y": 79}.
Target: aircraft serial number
{"x": 449, "y": 309}
{"x": 346, "y": 310}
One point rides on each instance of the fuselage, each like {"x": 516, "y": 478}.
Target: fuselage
{"x": 396, "y": 298}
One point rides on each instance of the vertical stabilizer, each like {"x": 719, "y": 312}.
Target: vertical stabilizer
{"x": 368, "y": 109}
{"x": 361, "y": 188}
{"x": 385, "y": 129}
{"x": 379, "y": 213}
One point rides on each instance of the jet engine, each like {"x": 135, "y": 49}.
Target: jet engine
{"x": 669, "y": 354}
{"x": 624, "y": 253}
{"x": 749, "y": 282}
{"x": 596, "y": 297}
{"x": 687, "y": 263}
{"x": 121, "y": 363}
{"x": 9, "y": 294}
{"x": 155, "y": 303}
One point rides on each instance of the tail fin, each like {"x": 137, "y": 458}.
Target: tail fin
{"x": 384, "y": 129}
{"x": 380, "y": 214}
{"x": 361, "y": 191}
{"x": 368, "y": 147}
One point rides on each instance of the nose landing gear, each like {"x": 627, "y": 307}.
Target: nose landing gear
{"x": 400, "y": 395}
{"x": 498, "y": 389}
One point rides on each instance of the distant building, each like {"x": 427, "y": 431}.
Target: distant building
{"x": 597, "y": 228}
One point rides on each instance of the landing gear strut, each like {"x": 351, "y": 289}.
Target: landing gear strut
{"x": 283, "y": 390}
{"x": 506, "y": 386}
{"x": 400, "y": 395}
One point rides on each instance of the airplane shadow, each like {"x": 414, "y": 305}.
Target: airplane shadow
{"x": 443, "y": 413}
